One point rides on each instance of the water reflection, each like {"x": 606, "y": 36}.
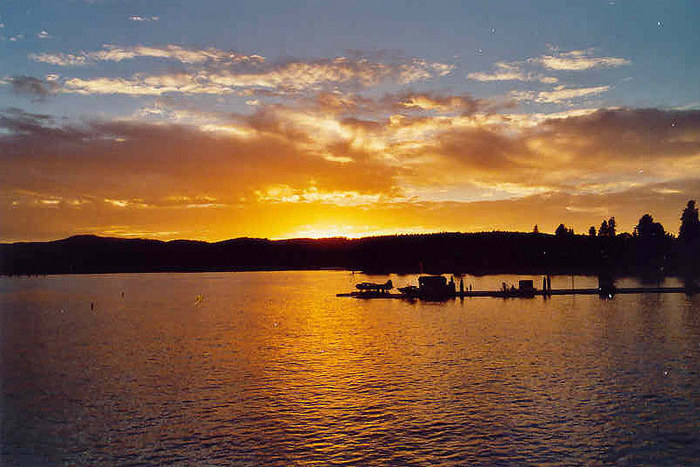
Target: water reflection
{"x": 273, "y": 368}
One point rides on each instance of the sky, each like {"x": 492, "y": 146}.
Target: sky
{"x": 212, "y": 120}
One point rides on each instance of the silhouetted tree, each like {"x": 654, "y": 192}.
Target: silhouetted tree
{"x": 562, "y": 231}
{"x": 535, "y": 229}
{"x": 647, "y": 228}
{"x": 591, "y": 231}
{"x": 607, "y": 228}
{"x": 690, "y": 226}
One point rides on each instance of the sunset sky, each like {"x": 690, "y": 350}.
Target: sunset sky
{"x": 212, "y": 120}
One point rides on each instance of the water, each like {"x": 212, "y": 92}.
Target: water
{"x": 272, "y": 368}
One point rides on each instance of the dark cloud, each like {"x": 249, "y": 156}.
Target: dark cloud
{"x": 136, "y": 159}
{"x": 28, "y": 85}
{"x": 483, "y": 148}
{"x": 604, "y": 148}
{"x": 627, "y": 133}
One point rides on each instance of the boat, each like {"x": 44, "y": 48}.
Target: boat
{"x": 410, "y": 291}
{"x": 435, "y": 288}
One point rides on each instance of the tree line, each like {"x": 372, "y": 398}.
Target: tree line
{"x": 646, "y": 227}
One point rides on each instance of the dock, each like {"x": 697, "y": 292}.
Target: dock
{"x": 558, "y": 292}
{"x": 436, "y": 288}
{"x": 530, "y": 294}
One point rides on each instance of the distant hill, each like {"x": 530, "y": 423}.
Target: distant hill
{"x": 477, "y": 253}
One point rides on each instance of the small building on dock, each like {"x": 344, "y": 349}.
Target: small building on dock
{"x": 434, "y": 287}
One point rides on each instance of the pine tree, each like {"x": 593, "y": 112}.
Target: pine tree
{"x": 561, "y": 231}
{"x": 647, "y": 228}
{"x": 690, "y": 226}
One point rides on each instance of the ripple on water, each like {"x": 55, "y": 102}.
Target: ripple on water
{"x": 273, "y": 369}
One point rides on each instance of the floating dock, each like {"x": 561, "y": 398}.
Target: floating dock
{"x": 530, "y": 294}
{"x": 552, "y": 292}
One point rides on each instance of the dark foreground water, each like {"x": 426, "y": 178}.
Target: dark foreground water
{"x": 272, "y": 368}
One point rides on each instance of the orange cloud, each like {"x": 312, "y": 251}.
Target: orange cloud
{"x": 284, "y": 167}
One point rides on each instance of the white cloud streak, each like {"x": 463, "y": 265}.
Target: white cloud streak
{"x": 510, "y": 72}
{"x": 578, "y": 60}
{"x": 559, "y": 95}
{"x": 291, "y": 77}
{"x": 143, "y": 19}
{"x": 115, "y": 53}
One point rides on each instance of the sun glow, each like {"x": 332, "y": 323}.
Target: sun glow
{"x": 349, "y": 231}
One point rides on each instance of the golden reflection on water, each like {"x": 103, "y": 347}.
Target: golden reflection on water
{"x": 273, "y": 368}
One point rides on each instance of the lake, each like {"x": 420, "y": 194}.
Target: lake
{"x": 273, "y": 368}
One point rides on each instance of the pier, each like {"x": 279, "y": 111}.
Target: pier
{"x": 529, "y": 294}
{"x": 558, "y": 292}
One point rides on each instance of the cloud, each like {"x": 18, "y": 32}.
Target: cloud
{"x": 60, "y": 59}
{"x": 143, "y": 86}
{"x": 117, "y": 53}
{"x": 357, "y": 72}
{"x": 578, "y": 60}
{"x": 287, "y": 194}
{"x": 530, "y": 70}
{"x": 558, "y": 151}
{"x": 400, "y": 104}
{"x": 143, "y": 19}
{"x": 214, "y": 71}
{"x": 664, "y": 139}
{"x": 560, "y": 94}
{"x": 43, "y": 35}
{"x": 600, "y": 151}
{"x": 432, "y": 102}
{"x": 109, "y": 160}
{"x": 284, "y": 220}
{"x": 295, "y": 76}
{"x": 421, "y": 70}
{"x": 510, "y": 72}
{"x": 29, "y": 85}
{"x": 428, "y": 165}
{"x": 286, "y": 78}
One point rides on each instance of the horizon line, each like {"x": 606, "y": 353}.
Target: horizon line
{"x": 277, "y": 239}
